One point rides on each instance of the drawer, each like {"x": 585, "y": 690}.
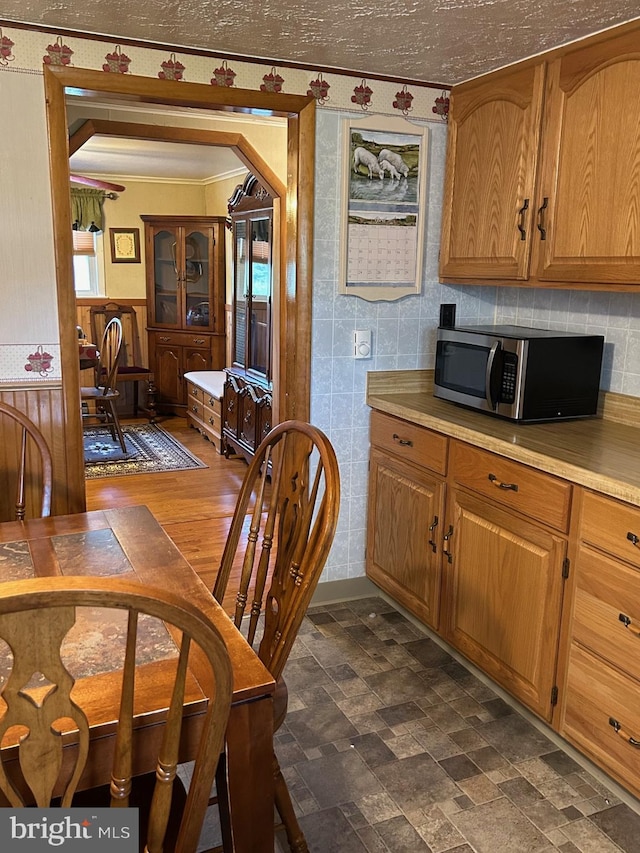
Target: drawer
{"x": 195, "y": 393}
{"x": 606, "y": 614}
{"x": 595, "y": 694}
{"x": 533, "y": 493}
{"x": 409, "y": 441}
{"x": 611, "y": 525}
{"x": 212, "y": 402}
{"x": 212, "y": 419}
{"x": 182, "y": 339}
{"x": 196, "y": 409}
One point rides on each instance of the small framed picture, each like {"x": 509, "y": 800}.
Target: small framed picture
{"x": 125, "y": 245}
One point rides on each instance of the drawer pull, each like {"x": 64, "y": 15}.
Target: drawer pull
{"x": 432, "y": 527}
{"x": 626, "y": 621}
{"x": 194, "y": 409}
{"x": 620, "y": 731}
{"x": 199, "y": 341}
{"x": 447, "y": 536}
{"x": 512, "y": 487}
{"x": 633, "y": 538}
{"x": 404, "y": 442}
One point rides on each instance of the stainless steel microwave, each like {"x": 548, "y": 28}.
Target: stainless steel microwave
{"x": 519, "y": 373}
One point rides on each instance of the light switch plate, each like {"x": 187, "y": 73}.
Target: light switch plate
{"x": 362, "y": 343}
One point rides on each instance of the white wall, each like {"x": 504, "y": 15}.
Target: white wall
{"x": 26, "y": 235}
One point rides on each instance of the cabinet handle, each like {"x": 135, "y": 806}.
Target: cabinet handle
{"x": 447, "y": 536}
{"x": 210, "y": 419}
{"x": 541, "y": 227}
{"x": 512, "y": 487}
{"x": 199, "y": 341}
{"x": 633, "y": 538}
{"x": 620, "y": 731}
{"x": 211, "y": 401}
{"x": 194, "y": 409}
{"x": 432, "y": 527}
{"x": 404, "y": 442}
{"x": 164, "y": 339}
{"x": 521, "y": 229}
{"x": 626, "y": 621}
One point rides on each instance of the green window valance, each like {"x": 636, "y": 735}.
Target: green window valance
{"x": 86, "y": 209}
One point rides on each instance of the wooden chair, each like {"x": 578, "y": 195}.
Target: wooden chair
{"x": 130, "y": 367}
{"x": 293, "y": 519}
{"x": 104, "y": 393}
{"x": 42, "y": 768}
{"x": 27, "y": 436}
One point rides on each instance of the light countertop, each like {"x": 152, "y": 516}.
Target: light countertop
{"x": 600, "y": 453}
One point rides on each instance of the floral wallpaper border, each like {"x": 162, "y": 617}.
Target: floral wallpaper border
{"x": 26, "y": 51}
{"x": 30, "y": 364}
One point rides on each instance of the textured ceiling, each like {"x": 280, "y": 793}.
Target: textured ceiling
{"x": 437, "y": 41}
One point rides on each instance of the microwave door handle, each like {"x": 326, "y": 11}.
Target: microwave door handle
{"x": 489, "y": 374}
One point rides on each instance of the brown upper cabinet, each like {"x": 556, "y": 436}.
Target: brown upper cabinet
{"x": 543, "y": 171}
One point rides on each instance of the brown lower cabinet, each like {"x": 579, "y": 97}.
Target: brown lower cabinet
{"x": 601, "y": 702}
{"x": 175, "y": 353}
{"x": 246, "y": 414}
{"x": 477, "y": 546}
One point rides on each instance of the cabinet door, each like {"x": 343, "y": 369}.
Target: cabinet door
{"x": 591, "y": 165}
{"x": 403, "y": 554}
{"x": 197, "y": 278}
{"x": 195, "y": 359}
{"x": 265, "y": 417}
{"x": 488, "y": 211}
{"x": 230, "y": 408}
{"x": 248, "y": 417}
{"x": 502, "y": 597}
{"x": 168, "y": 374}
{"x": 164, "y": 266}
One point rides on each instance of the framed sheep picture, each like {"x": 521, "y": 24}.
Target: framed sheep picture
{"x": 383, "y": 207}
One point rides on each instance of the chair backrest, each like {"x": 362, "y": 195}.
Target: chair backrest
{"x": 289, "y": 501}
{"x": 110, "y": 347}
{"x": 99, "y": 316}
{"x": 35, "y": 616}
{"x": 31, "y": 464}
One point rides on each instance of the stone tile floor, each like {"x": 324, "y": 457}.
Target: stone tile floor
{"x": 392, "y": 746}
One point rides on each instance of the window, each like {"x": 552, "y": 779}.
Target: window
{"x": 85, "y": 262}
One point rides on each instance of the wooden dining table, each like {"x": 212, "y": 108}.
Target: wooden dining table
{"x": 129, "y": 543}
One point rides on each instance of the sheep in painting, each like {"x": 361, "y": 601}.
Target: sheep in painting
{"x": 395, "y": 160}
{"x": 362, "y": 157}
{"x": 386, "y": 166}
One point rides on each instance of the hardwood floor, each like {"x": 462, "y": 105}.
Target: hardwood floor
{"x": 194, "y": 507}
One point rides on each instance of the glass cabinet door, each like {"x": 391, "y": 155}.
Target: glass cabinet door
{"x": 196, "y": 275}
{"x": 167, "y": 263}
{"x": 260, "y": 291}
{"x": 240, "y": 286}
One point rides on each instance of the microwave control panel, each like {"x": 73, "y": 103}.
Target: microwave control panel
{"x": 509, "y": 373}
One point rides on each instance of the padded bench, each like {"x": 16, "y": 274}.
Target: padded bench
{"x": 204, "y": 407}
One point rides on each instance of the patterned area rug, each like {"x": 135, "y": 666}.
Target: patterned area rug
{"x": 149, "y": 449}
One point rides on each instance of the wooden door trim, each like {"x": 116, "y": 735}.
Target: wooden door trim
{"x": 292, "y": 305}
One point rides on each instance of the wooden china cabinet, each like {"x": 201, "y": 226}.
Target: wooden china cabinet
{"x": 247, "y": 402}
{"x": 185, "y": 263}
